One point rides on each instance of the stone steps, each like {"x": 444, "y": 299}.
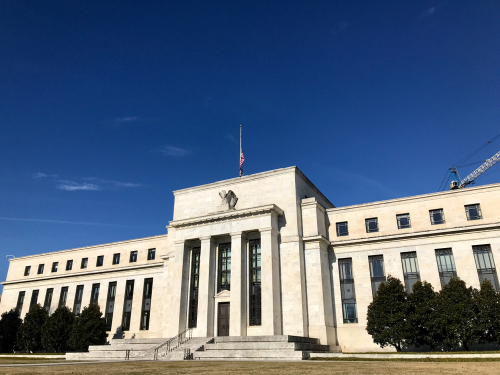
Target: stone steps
{"x": 250, "y": 355}
{"x": 268, "y": 346}
{"x": 195, "y": 344}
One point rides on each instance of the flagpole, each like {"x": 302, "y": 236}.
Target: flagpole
{"x": 240, "y": 150}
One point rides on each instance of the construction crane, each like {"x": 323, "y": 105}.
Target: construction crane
{"x": 460, "y": 184}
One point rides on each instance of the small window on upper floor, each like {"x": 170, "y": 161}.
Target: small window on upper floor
{"x": 85, "y": 262}
{"x": 437, "y": 216}
{"x": 473, "y": 212}
{"x": 55, "y": 265}
{"x": 133, "y": 256}
{"x": 371, "y": 225}
{"x": 27, "y": 270}
{"x": 40, "y": 268}
{"x": 100, "y": 261}
{"x": 151, "y": 254}
{"x": 116, "y": 258}
{"x": 403, "y": 221}
{"x": 342, "y": 229}
{"x": 69, "y": 265}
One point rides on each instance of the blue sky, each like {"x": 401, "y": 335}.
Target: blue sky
{"x": 108, "y": 106}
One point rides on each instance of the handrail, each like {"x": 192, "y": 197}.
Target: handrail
{"x": 127, "y": 354}
{"x": 181, "y": 337}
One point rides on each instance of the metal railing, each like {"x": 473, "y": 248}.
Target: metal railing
{"x": 174, "y": 342}
{"x": 127, "y": 354}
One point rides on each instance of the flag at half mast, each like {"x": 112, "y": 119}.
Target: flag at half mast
{"x": 242, "y": 158}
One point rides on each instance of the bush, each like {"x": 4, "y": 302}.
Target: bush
{"x": 488, "y": 304}
{"x": 9, "y": 324}
{"x": 420, "y": 329}
{"x": 387, "y": 314}
{"x": 456, "y": 315}
{"x": 89, "y": 328}
{"x": 29, "y": 334}
{"x": 56, "y": 330}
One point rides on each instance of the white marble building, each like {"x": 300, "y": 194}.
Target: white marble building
{"x": 276, "y": 257}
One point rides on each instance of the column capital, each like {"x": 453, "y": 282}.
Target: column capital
{"x": 237, "y": 234}
{"x": 206, "y": 238}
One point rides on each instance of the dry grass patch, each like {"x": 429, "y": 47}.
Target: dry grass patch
{"x": 268, "y": 368}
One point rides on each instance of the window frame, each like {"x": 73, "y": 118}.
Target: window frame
{"x": 255, "y": 281}
{"x": 448, "y": 269}
{"x": 55, "y": 266}
{"x": 367, "y": 225}
{"x": 379, "y": 278}
{"x": 411, "y": 270}
{"x": 405, "y": 216}
{"x": 69, "y": 264}
{"x": 100, "y": 259}
{"x": 116, "y": 259}
{"x": 84, "y": 263}
{"x": 41, "y": 268}
{"x": 152, "y": 253}
{"x": 478, "y": 250}
{"x": 194, "y": 286}
{"x": 133, "y": 256}
{"x": 339, "y": 225}
{"x": 223, "y": 261}
{"x": 27, "y": 270}
{"x": 477, "y": 207}
{"x": 431, "y": 213}
{"x": 344, "y": 282}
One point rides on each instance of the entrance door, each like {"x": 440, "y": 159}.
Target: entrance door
{"x": 223, "y": 319}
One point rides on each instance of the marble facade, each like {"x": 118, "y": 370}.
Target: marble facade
{"x": 295, "y": 227}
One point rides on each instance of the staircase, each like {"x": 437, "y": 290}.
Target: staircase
{"x": 261, "y": 348}
{"x": 185, "y": 350}
{"x": 119, "y": 349}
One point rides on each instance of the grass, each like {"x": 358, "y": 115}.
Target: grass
{"x": 5, "y": 361}
{"x": 358, "y": 359}
{"x": 426, "y": 353}
{"x": 268, "y": 368}
{"x": 33, "y": 354}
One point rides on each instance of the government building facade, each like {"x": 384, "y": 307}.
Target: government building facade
{"x": 266, "y": 255}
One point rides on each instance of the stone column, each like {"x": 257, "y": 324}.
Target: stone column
{"x": 206, "y": 291}
{"x": 238, "y": 295}
{"x": 179, "y": 282}
{"x": 319, "y": 292}
{"x": 270, "y": 282}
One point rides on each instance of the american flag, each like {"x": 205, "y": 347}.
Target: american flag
{"x": 242, "y": 159}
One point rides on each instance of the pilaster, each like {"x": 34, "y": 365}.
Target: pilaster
{"x": 238, "y": 297}
{"x": 206, "y": 290}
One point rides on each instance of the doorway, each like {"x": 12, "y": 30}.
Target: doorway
{"x": 223, "y": 319}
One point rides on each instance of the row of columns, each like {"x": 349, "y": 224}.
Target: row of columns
{"x": 239, "y": 296}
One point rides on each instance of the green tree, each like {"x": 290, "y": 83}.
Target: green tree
{"x": 420, "y": 316}
{"x": 387, "y": 314}
{"x": 29, "y": 334}
{"x": 455, "y": 315}
{"x": 488, "y": 304}
{"x": 9, "y": 324}
{"x": 56, "y": 330}
{"x": 89, "y": 328}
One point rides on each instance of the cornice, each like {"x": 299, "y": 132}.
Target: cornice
{"x": 76, "y": 274}
{"x": 228, "y": 215}
{"x": 92, "y": 247}
{"x": 421, "y": 234}
{"x": 423, "y": 197}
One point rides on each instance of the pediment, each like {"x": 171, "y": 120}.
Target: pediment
{"x": 224, "y": 293}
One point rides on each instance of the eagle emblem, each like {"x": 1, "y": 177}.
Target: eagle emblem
{"x": 228, "y": 198}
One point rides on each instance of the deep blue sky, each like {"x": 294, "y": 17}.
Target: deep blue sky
{"x": 108, "y": 106}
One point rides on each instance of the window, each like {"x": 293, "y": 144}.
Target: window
{"x": 27, "y": 270}
{"x": 485, "y": 265}
{"x": 100, "y": 261}
{"x": 34, "y": 298}
{"x": 110, "y": 304}
{"x": 376, "y": 271}
{"x": 78, "y": 299}
{"x": 193, "y": 294}
{"x": 255, "y": 283}
{"x": 151, "y": 254}
{"x": 371, "y": 225}
{"x": 69, "y": 265}
{"x": 127, "y": 305}
{"x": 342, "y": 229}
{"x": 473, "y": 212}
{"x": 116, "y": 258}
{"x": 348, "y": 293}
{"x": 54, "y": 266}
{"x": 403, "y": 221}
{"x": 85, "y": 262}
{"x": 446, "y": 265}
{"x": 94, "y": 295}
{"x": 20, "y": 301}
{"x": 146, "y": 303}
{"x": 224, "y": 267}
{"x": 40, "y": 269}
{"x": 48, "y": 299}
{"x": 411, "y": 272}
{"x": 63, "y": 296}
{"x": 133, "y": 256}
{"x": 437, "y": 216}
